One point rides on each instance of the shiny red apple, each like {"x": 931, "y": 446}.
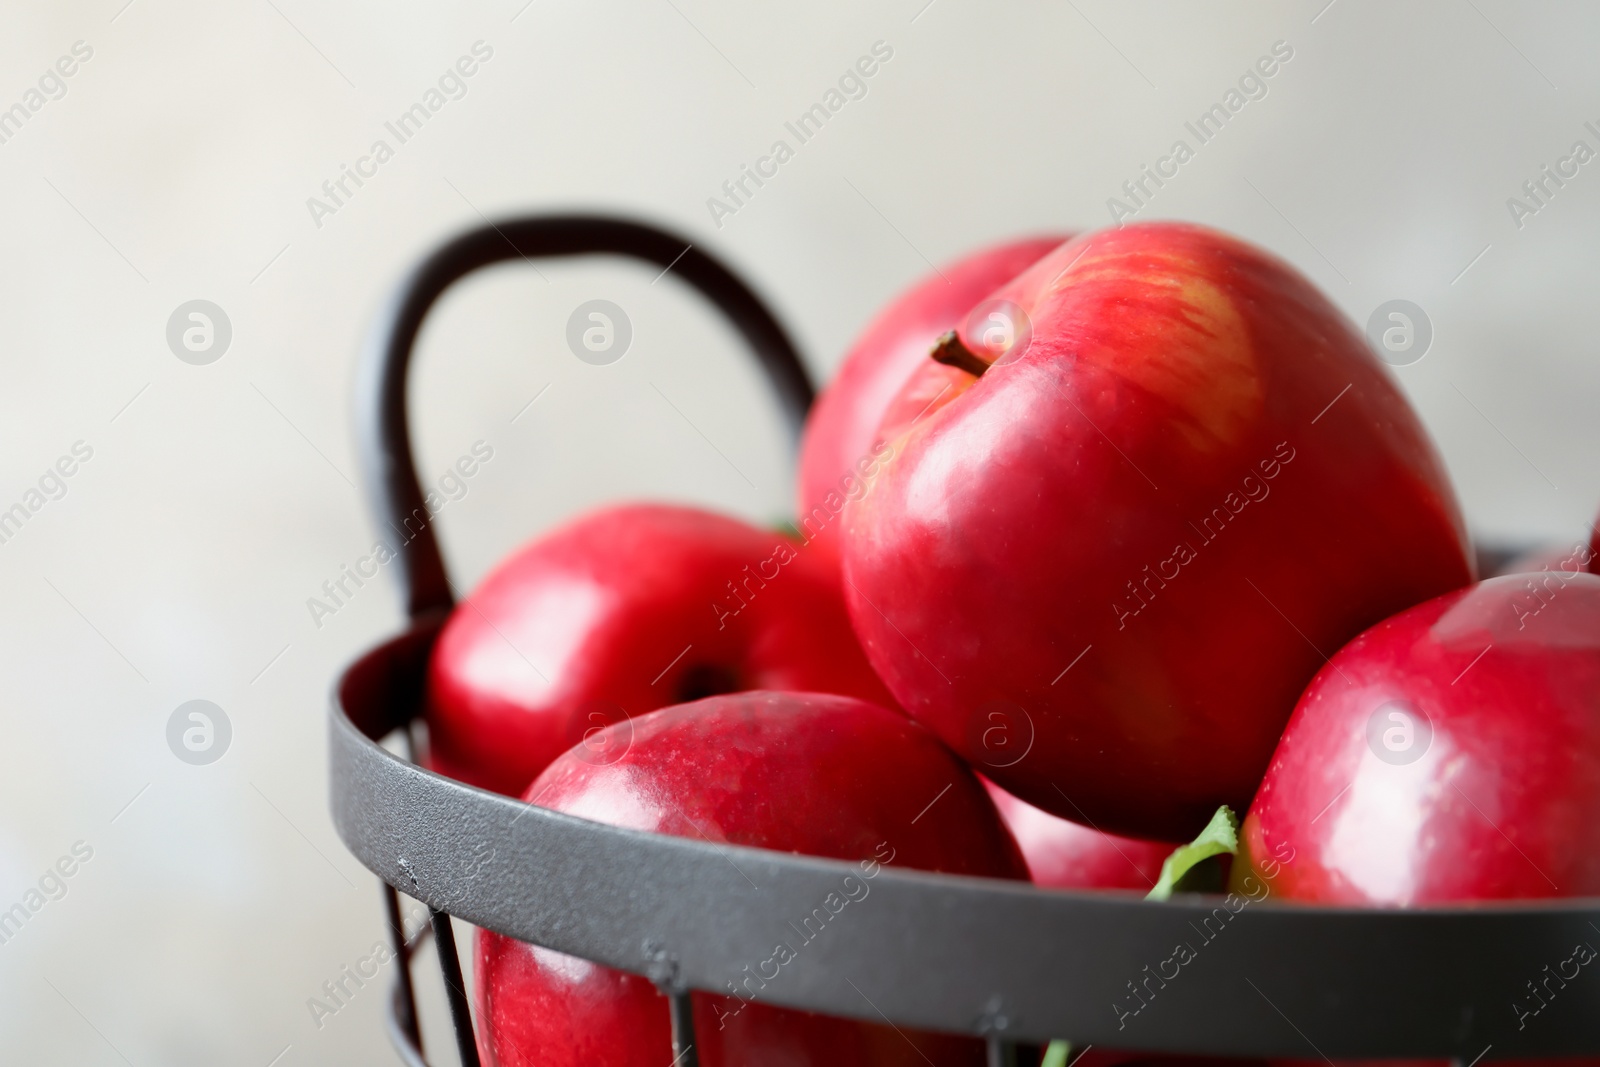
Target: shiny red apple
{"x": 822, "y": 775}
{"x": 836, "y": 453}
{"x": 1106, "y": 562}
{"x": 1451, "y": 753}
{"x": 622, "y": 611}
{"x": 1067, "y": 855}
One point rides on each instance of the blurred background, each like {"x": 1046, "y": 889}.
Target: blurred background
{"x": 184, "y": 158}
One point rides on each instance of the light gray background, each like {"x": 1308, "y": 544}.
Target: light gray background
{"x": 178, "y": 166}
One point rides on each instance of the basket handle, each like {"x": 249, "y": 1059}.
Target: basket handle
{"x": 384, "y": 431}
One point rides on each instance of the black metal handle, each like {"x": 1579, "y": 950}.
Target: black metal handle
{"x": 384, "y": 430}
{"x": 385, "y": 440}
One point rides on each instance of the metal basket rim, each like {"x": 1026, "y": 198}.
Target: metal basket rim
{"x": 954, "y": 952}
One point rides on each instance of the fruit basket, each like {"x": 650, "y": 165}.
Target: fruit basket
{"x": 1013, "y": 964}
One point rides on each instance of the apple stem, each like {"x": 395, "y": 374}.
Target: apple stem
{"x": 949, "y": 350}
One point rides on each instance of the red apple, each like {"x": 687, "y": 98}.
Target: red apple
{"x": 843, "y": 426}
{"x": 1110, "y": 562}
{"x": 822, "y": 775}
{"x": 1451, "y": 753}
{"x": 617, "y": 613}
{"x": 1065, "y": 855}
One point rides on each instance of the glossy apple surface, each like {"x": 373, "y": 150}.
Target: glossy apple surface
{"x": 822, "y": 775}
{"x": 843, "y": 426}
{"x": 1107, "y": 565}
{"x": 1067, "y": 855}
{"x": 1451, "y": 753}
{"x": 622, "y": 611}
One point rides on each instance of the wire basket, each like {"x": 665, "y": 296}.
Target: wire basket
{"x": 1011, "y": 963}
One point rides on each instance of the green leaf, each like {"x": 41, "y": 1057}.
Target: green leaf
{"x": 1186, "y": 870}
{"x": 1182, "y": 870}
{"x": 1057, "y": 1054}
